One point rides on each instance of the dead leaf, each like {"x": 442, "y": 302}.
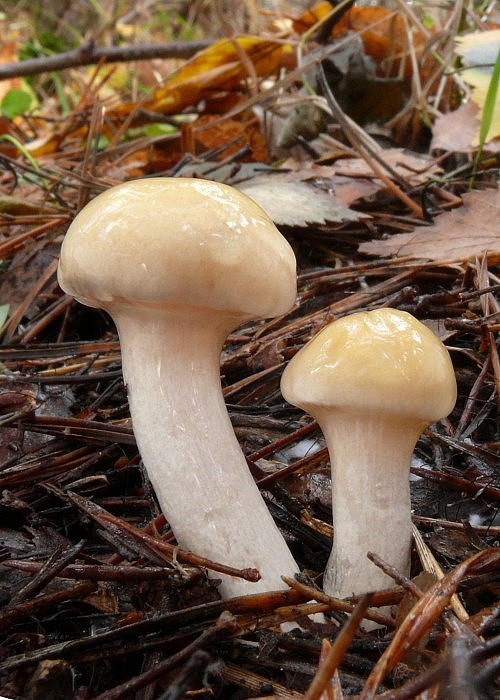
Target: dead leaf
{"x": 423, "y": 581}
{"x": 51, "y": 680}
{"x": 8, "y": 54}
{"x": 469, "y": 231}
{"x": 456, "y": 131}
{"x": 15, "y": 206}
{"x": 346, "y": 189}
{"x": 217, "y": 68}
{"x": 415, "y": 168}
{"x": 236, "y": 133}
{"x": 296, "y": 203}
{"x": 103, "y": 600}
{"x": 384, "y": 34}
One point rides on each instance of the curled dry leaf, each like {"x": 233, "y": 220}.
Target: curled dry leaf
{"x": 469, "y": 231}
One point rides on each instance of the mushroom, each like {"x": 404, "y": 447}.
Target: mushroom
{"x": 373, "y": 381}
{"x": 178, "y": 264}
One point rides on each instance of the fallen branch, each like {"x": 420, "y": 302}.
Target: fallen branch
{"x": 89, "y": 53}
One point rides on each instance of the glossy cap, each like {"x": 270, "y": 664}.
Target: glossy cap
{"x": 178, "y": 241}
{"x": 382, "y": 361}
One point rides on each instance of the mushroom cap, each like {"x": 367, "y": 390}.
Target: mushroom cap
{"x": 382, "y": 361}
{"x": 178, "y": 241}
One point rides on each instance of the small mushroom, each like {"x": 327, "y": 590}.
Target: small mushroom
{"x": 178, "y": 264}
{"x": 373, "y": 381}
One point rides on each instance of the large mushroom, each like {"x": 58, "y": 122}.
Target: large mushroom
{"x": 373, "y": 381}
{"x": 178, "y": 264}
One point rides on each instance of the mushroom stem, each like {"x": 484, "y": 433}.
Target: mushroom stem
{"x": 171, "y": 365}
{"x": 371, "y": 457}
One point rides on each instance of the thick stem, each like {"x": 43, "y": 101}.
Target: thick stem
{"x": 370, "y": 458}
{"x": 171, "y": 364}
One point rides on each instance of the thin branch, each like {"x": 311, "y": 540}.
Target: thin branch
{"x": 89, "y": 53}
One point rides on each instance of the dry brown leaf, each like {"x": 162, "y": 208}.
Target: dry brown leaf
{"x": 384, "y": 33}
{"x": 236, "y": 133}
{"x": 456, "y": 131}
{"x": 469, "y": 231}
{"x": 346, "y": 189}
{"x": 415, "y": 168}
{"x": 103, "y": 600}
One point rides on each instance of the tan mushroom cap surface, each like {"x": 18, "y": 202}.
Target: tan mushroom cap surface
{"x": 377, "y": 361}
{"x": 178, "y": 241}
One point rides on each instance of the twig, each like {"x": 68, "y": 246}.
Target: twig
{"x": 355, "y": 135}
{"x": 89, "y": 53}
{"x": 190, "y": 675}
{"x": 167, "y": 622}
{"x": 233, "y": 674}
{"x": 430, "y": 564}
{"x": 165, "y": 551}
{"x": 421, "y": 617}
{"x": 225, "y": 626}
{"x": 100, "y": 572}
{"x": 337, "y": 651}
{"x": 336, "y": 603}
{"x": 31, "y": 607}
{"x": 52, "y": 568}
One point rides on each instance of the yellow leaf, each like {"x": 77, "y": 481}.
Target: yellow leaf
{"x": 479, "y": 52}
{"x": 218, "y": 68}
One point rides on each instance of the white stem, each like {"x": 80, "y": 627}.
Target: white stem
{"x": 171, "y": 365}
{"x": 370, "y": 457}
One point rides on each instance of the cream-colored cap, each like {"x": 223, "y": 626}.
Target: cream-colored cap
{"x": 379, "y": 361}
{"x": 178, "y": 241}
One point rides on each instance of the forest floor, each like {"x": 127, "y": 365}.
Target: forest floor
{"x": 375, "y": 152}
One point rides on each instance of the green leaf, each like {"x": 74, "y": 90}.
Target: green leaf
{"x": 490, "y": 102}
{"x": 52, "y": 43}
{"x": 29, "y": 50}
{"x": 15, "y": 102}
{"x": 158, "y": 129}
